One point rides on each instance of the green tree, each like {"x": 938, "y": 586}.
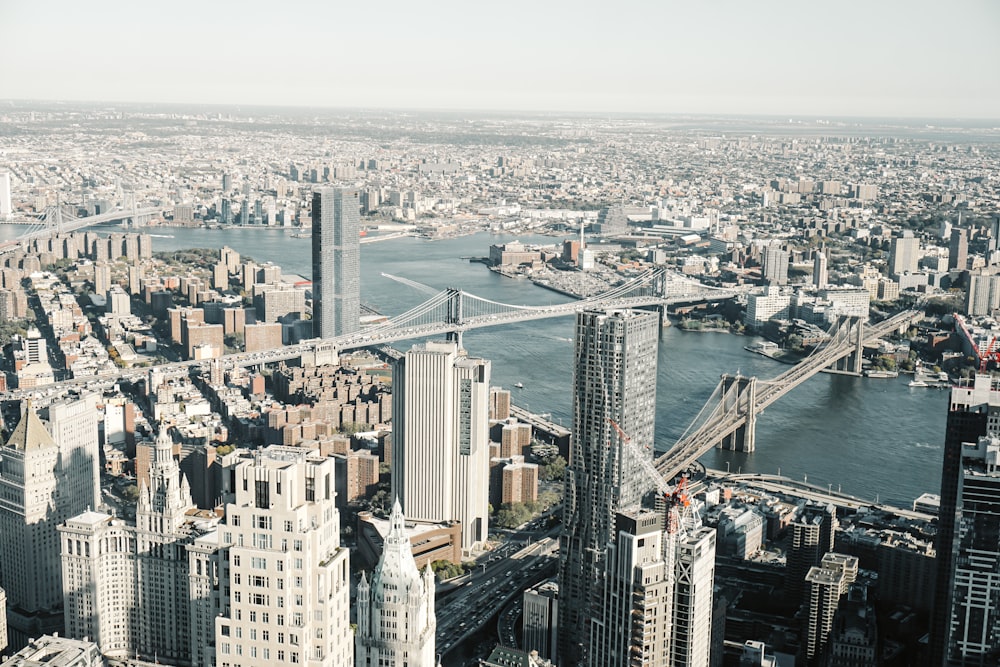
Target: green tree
{"x": 131, "y": 493}
{"x": 553, "y": 470}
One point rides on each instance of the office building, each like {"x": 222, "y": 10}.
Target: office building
{"x": 74, "y": 427}
{"x": 775, "y": 265}
{"x": 126, "y": 585}
{"x": 823, "y": 590}
{"x": 278, "y": 553}
{"x": 45, "y": 478}
{"x": 821, "y": 273}
{"x": 3, "y": 621}
{"x": 766, "y": 304}
{"x": 958, "y": 249}
{"x": 904, "y": 254}
{"x": 440, "y": 445}
{"x": 965, "y": 621}
{"x": 612, "y": 221}
{"x": 395, "y": 612}
{"x": 632, "y": 614}
{"x": 540, "y": 620}
{"x": 6, "y": 210}
{"x": 693, "y": 597}
{"x": 810, "y": 536}
{"x": 56, "y": 651}
{"x": 336, "y": 262}
{"x": 614, "y": 378}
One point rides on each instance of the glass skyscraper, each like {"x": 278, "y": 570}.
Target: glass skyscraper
{"x": 614, "y": 378}
{"x": 336, "y": 262}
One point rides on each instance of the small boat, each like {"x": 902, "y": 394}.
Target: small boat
{"x": 519, "y": 385}
{"x": 917, "y": 383}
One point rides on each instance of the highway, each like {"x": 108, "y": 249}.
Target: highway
{"x": 496, "y": 579}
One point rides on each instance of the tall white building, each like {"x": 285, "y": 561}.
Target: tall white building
{"x": 440, "y": 452}
{"x": 633, "y": 618}
{"x": 278, "y": 556}
{"x": 43, "y": 482}
{"x": 126, "y": 585}
{"x": 74, "y": 426}
{"x": 821, "y": 271}
{"x": 6, "y": 210}
{"x": 904, "y": 254}
{"x": 396, "y": 620}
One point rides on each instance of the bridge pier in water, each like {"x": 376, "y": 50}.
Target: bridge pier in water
{"x": 739, "y": 394}
{"x": 851, "y": 364}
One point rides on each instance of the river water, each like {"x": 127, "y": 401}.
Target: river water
{"x": 866, "y": 436}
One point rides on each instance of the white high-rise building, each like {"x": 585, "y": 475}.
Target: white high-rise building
{"x": 633, "y": 618}
{"x": 278, "y": 555}
{"x": 74, "y": 426}
{"x": 396, "y": 620}
{"x": 43, "y": 482}
{"x": 694, "y": 582}
{"x": 6, "y": 210}
{"x": 126, "y": 585}
{"x": 440, "y": 453}
{"x": 821, "y": 272}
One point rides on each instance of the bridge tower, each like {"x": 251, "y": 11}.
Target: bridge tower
{"x": 851, "y": 364}
{"x": 453, "y": 316}
{"x": 739, "y": 394}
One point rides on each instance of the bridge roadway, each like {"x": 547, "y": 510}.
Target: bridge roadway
{"x": 722, "y": 422}
{"x": 73, "y": 224}
{"x": 376, "y": 336}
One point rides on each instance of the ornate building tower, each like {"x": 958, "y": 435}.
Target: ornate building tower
{"x": 396, "y": 620}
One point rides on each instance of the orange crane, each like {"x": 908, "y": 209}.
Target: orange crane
{"x": 992, "y": 353}
{"x": 678, "y": 502}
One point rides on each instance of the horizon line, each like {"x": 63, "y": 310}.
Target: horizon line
{"x": 811, "y": 116}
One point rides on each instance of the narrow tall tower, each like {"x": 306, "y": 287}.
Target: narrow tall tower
{"x": 336, "y": 262}
{"x": 6, "y": 209}
{"x": 440, "y": 446}
{"x": 614, "y": 379}
{"x": 396, "y": 619}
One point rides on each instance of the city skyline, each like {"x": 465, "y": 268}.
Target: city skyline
{"x": 729, "y": 58}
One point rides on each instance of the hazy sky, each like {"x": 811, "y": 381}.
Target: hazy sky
{"x": 931, "y": 58}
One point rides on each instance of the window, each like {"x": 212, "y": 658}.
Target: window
{"x": 298, "y": 582}
{"x": 253, "y": 617}
{"x": 258, "y": 563}
{"x": 225, "y": 630}
{"x": 288, "y": 526}
{"x": 262, "y": 494}
{"x": 310, "y": 489}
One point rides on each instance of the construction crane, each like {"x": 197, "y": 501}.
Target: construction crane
{"x": 992, "y": 353}
{"x": 681, "y": 516}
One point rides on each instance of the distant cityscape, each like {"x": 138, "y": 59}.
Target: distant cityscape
{"x": 221, "y": 458}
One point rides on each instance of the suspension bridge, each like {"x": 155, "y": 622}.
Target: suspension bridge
{"x": 56, "y": 220}
{"x": 729, "y": 417}
{"x": 449, "y": 312}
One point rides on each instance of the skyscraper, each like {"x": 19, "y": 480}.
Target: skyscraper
{"x": 278, "y": 554}
{"x": 694, "y": 582}
{"x": 126, "y": 586}
{"x": 965, "y": 620}
{"x": 440, "y": 438}
{"x": 336, "y": 262}
{"x": 775, "y": 267}
{"x": 396, "y": 620}
{"x": 631, "y": 622}
{"x": 614, "y": 379}
{"x": 821, "y": 274}
{"x": 5, "y": 206}
{"x": 958, "y": 249}
{"x": 809, "y": 537}
{"x": 904, "y": 254}
{"x": 29, "y": 513}
{"x": 46, "y": 477}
